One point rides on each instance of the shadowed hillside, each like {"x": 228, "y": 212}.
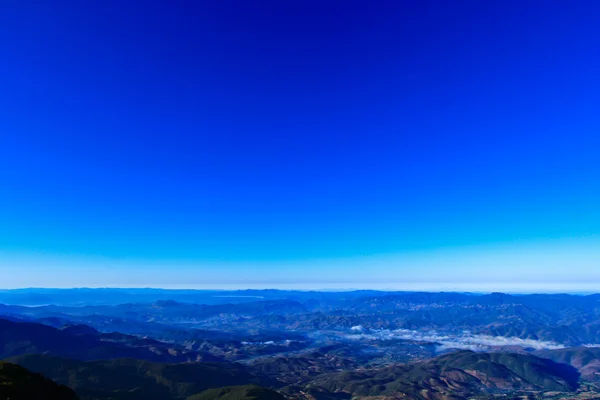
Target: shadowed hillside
{"x": 135, "y": 379}
{"x": 248, "y": 392}
{"x": 17, "y": 383}
{"x": 585, "y": 359}
{"x": 85, "y": 343}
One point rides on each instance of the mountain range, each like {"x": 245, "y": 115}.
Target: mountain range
{"x": 305, "y": 345}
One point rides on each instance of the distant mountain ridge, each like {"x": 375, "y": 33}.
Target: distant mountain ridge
{"x": 85, "y": 343}
{"x": 569, "y": 320}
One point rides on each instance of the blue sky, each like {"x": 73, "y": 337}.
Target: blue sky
{"x": 309, "y": 144}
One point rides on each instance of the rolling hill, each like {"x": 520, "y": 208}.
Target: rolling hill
{"x": 453, "y": 376}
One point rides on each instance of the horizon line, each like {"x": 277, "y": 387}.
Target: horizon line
{"x": 322, "y": 290}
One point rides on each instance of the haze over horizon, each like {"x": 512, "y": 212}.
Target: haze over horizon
{"x": 309, "y": 145}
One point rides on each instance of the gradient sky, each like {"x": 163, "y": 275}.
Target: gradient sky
{"x": 310, "y": 144}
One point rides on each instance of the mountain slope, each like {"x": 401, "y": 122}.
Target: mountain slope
{"x": 247, "y": 392}
{"x": 454, "y": 376}
{"x": 17, "y": 383}
{"x": 585, "y": 359}
{"x": 85, "y": 343}
{"x": 133, "y": 379}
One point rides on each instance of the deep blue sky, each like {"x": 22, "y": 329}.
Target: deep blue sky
{"x": 297, "y": 137}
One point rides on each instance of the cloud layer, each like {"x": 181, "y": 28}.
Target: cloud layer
{"x": 466, "y": 340}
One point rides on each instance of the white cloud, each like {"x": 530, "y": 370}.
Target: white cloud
{"x": 466, "y": 340}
